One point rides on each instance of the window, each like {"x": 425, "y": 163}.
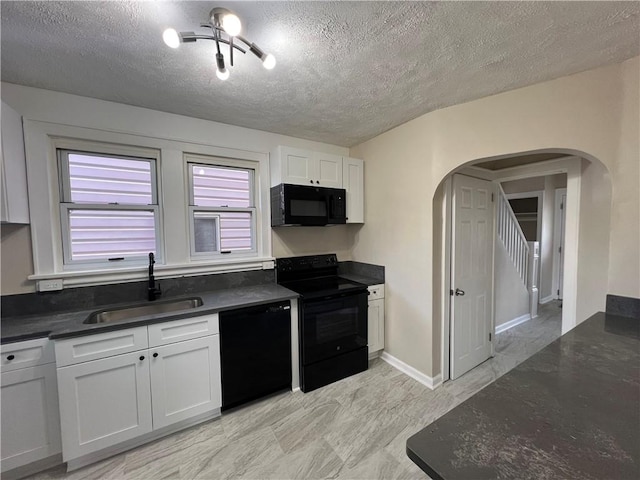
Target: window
{"x": 109, "y": 208}
{"x": 221, "y": 207}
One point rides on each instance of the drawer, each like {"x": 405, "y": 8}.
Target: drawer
{"x": 376, "y": 291}
{"x": 185, "y": 329}
{"x": 26, "y": 354}
{"x": 101, "y": 345}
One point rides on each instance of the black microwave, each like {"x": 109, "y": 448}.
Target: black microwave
{"x": 307, "y": 206}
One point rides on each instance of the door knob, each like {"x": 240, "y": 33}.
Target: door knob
{"x": 459, "y": 293}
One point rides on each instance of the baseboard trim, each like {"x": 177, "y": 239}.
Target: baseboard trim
{"x": 512, "y": 323}
{"x": 374, "y": 355}
{"x": 548, "y": 299}
{"x": 426, "y": 380}
{"x": 33, "y": 467}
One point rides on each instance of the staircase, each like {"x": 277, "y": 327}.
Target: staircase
{"x": 524, "y": 255}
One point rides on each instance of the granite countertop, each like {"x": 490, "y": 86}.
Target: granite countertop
{"x": 570, "y": 411}
{"x": 69, "y": 324}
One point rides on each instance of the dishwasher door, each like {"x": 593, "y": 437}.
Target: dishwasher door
{"x": 255, "y": 352}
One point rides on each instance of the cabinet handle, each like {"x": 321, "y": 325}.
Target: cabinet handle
{"x": 10, "y": 357}
{"x": 310, "y": 181}
{"x": 155, "y": 355}
{"x": 318, "y": 182}
{"x": 141, "y": 357}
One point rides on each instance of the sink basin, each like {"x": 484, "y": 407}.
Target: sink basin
{"x": 143, "y": 309}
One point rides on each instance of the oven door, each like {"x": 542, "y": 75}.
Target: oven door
{"x": 333, "y": 325}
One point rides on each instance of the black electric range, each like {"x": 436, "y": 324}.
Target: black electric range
{"x": 332, "y": 319}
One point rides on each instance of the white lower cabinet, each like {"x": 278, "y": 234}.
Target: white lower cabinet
{"x": 30, "y": 420}
{"x": 376, "y": 318}
{"x": 185, "y": 380}
{"x": 105, "y": 402}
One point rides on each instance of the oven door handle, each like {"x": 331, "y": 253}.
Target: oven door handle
{"x": 336, "y": 295}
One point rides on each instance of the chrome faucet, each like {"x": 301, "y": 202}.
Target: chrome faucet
{"x": 152, "y": 289}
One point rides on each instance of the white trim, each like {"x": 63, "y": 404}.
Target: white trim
{"x": 503, "y": 327}
{"x": 426, "y": 380}
{"x": 446, "y": 279}
{"x": 41, "y": 140}
{"x": 558, "y": 241}
{"x": 104, "y": 277}
{"x": 548, "y": 299}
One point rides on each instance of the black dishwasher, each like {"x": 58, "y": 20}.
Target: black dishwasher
{"x": 255, "y": 352}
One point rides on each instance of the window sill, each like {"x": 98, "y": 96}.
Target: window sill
{"x": 131, "y": 274}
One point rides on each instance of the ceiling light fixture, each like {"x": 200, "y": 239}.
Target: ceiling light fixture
{"x": 221, "y": 22}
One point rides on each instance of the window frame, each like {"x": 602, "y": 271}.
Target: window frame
{"x": 66, "y": 205}
{"x": 168, "y": 146}
{"x": 191, "y": 159}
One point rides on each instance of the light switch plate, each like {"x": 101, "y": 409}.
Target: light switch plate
{"x": 50, "y": 285}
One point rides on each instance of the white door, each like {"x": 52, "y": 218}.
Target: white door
{"x": 185, "y": 380}
{"x": 471, "y": 273}
{"x": 104, "y": 402}
{"x": 30, "y": 420}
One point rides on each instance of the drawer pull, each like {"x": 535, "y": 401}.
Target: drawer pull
{"x": 10, "y": 357}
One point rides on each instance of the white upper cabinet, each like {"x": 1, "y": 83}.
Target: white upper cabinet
{"x": 353, "y": 181}
{"x": 305, "y": 167}
{"x": 15, "y": 203}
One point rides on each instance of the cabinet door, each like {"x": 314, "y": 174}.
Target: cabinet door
{"x": 30, "y": 419}
{"x": 298, "y": 166}
{"x": 185, "y": 380}
{"x": 329, "y": 170}
{"x": 376, "y": 325}
{"x": 13, "y": 169}
{"x": 353, "y": 182}
{"x": 104, "y": 402}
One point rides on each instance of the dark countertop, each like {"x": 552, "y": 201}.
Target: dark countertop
{"x": 69, "y": 324}
{"x": 361, "y": 279}
{"x": 572, "y": 410}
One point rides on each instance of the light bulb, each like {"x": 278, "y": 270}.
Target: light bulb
{"x": 269, "y": 62}
{"x": 171, "y": 38}
{"x": 222, "y": 74}
{"x": 231, "y": 24}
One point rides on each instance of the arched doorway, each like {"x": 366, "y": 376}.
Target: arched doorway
{"x": 588, "y": 202}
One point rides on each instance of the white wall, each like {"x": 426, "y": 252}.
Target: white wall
{"x": 594, "y": 114}
{"x": 61, "y": 108}
{"x": 511, "y": 294}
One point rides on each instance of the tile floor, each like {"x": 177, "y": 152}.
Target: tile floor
{"x": 352, "y": 429}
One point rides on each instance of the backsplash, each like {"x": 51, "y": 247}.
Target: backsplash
{"x": 94, "y": 297}
{"x": 623, "y": 306}
{"x": 363, "y": 269}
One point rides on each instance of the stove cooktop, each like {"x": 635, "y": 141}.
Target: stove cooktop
{"x": 322, "y": 286}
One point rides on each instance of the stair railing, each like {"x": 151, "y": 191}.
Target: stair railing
{"x": 511, "y": 235}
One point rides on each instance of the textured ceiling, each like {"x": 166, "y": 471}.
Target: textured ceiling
{"x": 346, "y": 71}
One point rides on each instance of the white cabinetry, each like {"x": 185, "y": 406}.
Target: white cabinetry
{"x": 13, "y": 170}
{"x": 104, "y": 402}
{"x": 146, "y": 379}
{"x": 30, "y": 419}
{"x": 305, "y": 167}
{"x": 185, "y": 380}
{"x": 376, "y": 318}
{"x": 353, "y": 182}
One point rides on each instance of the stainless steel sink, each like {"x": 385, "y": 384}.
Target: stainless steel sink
{"x": 143, "y": 309}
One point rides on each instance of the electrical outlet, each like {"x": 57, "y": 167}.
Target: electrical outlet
{"x": 50, "y": 285}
